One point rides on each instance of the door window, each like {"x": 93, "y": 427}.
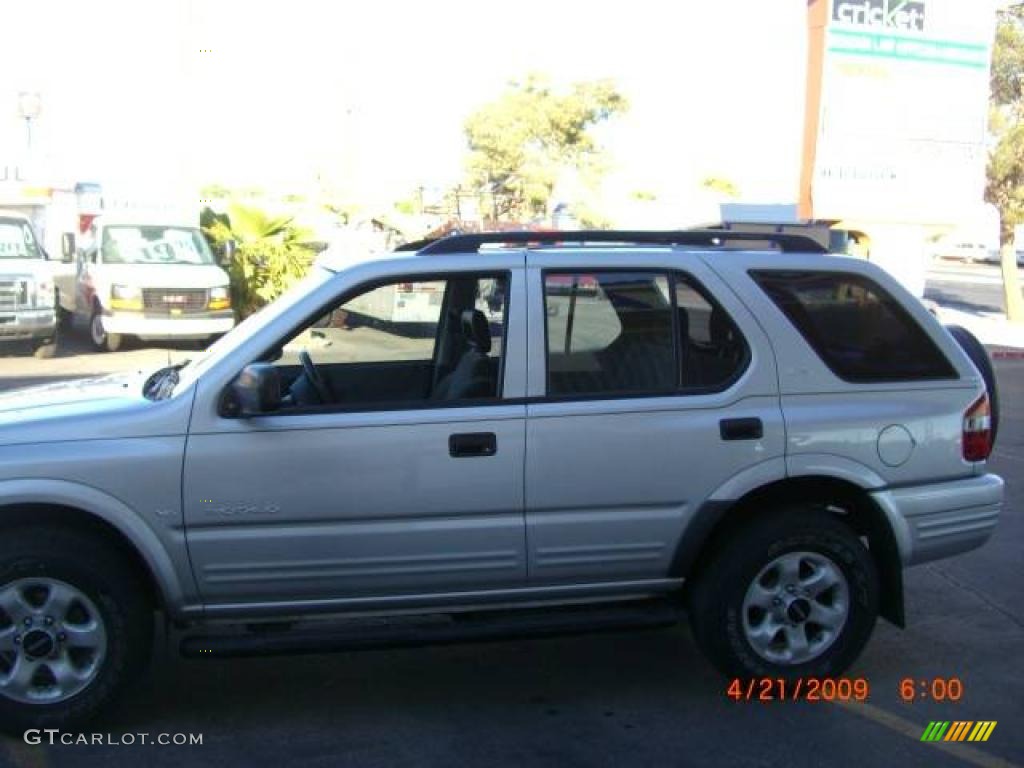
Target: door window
{"x": 394, "y": 322}
{"x": 406, "y": 343}
{"x": 629, "y": 333}
{"x": 712, "y": 349}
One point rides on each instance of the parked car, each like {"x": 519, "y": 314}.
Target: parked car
{"x": 766, "y": 438}
{"x": 966, "y": 250}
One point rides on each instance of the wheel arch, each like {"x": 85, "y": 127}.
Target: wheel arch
{"x": 712, "y": 524}
{"x": 74, "y": 505}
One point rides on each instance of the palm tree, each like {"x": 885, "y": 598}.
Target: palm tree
{"x": 268, "y": 253}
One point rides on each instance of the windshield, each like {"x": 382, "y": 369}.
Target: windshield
{"x": 155, "y": 245}
{"x": 17, "y": 241}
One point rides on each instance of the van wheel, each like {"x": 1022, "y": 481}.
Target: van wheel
{"x": 65, "y": 319}
{"x": 101, "y": 340}
{"x": 792, "y": 594}
{"x": 45, "y": 349}
{"x": 75, "y": 626}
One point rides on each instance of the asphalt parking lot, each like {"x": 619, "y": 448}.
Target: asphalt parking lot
{"x": 644, "y": 698}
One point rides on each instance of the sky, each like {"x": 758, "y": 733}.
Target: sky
{"x": 179, "y": 92}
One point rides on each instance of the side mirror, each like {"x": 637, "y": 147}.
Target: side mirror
{"x": 255, "y": 391}
{"x": 230, "y": 246}
{"x": 67, "y": 247}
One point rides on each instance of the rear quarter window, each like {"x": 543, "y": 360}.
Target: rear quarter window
{"x": 859, "y": 330}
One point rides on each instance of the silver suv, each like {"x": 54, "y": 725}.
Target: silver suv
{"x": 502, "y": 435}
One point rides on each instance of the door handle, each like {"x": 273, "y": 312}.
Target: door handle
{"x": 741, "y": 429}
{"x": 471, "y": 444}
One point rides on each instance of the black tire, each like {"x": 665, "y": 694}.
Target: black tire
{"x": 65, "y": 319}
{"x": 100, "y": 571}
{"x": 717, "y": 595}
{"x": 979, "y": 356}
{"x": 45, "y": 349}
{"x": 101, "y": 340}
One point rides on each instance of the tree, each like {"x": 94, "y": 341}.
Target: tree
{"x": 1005, "y": 177}
{"x": 521, "y": 142}
{"x": 270, "y": 253}
{"x": 721, "y": 185}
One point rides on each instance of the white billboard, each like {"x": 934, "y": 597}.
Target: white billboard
{"x": 903, "y": 108}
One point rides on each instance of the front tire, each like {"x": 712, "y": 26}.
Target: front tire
{"x": 792, "y": 594}
{"x": 65, "y": 318}
{"x": 45, "y": 349}
{"x": 101, "y": 340}
{"x": 75, "y": 626}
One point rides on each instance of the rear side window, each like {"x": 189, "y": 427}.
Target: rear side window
{"x": 623, "y": 333}
{"x": 857, "y": 329}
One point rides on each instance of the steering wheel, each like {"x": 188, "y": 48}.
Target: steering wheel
{"x": 323, "y": 391}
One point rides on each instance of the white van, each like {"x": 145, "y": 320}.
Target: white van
{"x": 147, "y": 278}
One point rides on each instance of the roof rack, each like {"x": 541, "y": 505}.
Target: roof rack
{"x": 458, "y": 243}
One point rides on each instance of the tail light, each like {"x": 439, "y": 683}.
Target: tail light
{"x": 977, "y": 438}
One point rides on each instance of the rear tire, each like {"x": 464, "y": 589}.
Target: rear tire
{"x": 75, "y": 595}
{"x": 748, "y": 621}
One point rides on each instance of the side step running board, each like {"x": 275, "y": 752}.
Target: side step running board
{"x": 436, "y": 630}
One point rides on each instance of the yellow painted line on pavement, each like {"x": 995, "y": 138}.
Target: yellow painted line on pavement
{"x": 913, "y": 731}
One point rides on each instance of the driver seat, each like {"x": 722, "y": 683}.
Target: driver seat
{"x": 472, "y": 376}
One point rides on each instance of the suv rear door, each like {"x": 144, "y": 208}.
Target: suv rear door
{"x": 650, "y": 387}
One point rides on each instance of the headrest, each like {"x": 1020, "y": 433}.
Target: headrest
{"x": 477, "y": 330}
{"x": 721, "y": 328}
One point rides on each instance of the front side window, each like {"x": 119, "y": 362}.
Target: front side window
{"x": 17, "y": 241}
{"x": 855, "y": 326}
{"x": 405, "y": 343}
{"x": 629, "y": 333}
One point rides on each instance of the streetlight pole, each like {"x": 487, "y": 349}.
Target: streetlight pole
{"x": 29, "y": 106}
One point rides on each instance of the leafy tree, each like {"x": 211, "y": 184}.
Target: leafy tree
{"x": 521, "y": 142}
{"x": 644, "y": 195}
{"x": 270, "y": 253}
{"x": 214, "y": 191}
{"x": 1005, "y": 182}
{"x": 722, "y": 186}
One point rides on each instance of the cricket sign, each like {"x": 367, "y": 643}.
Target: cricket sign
{"x": 887, "y": 14}
{"x": 897, "y": 103}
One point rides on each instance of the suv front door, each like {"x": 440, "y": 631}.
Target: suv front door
{"x": 408, "y": 481}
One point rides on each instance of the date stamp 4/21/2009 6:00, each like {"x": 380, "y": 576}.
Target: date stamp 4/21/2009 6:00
{"x": 770, "y": 689}
{"x": 857, "y": 689}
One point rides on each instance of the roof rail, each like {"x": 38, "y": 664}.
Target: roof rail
{"x": 788, "y": 243}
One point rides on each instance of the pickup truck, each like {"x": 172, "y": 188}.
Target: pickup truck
{"x": 27, "y": 303}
